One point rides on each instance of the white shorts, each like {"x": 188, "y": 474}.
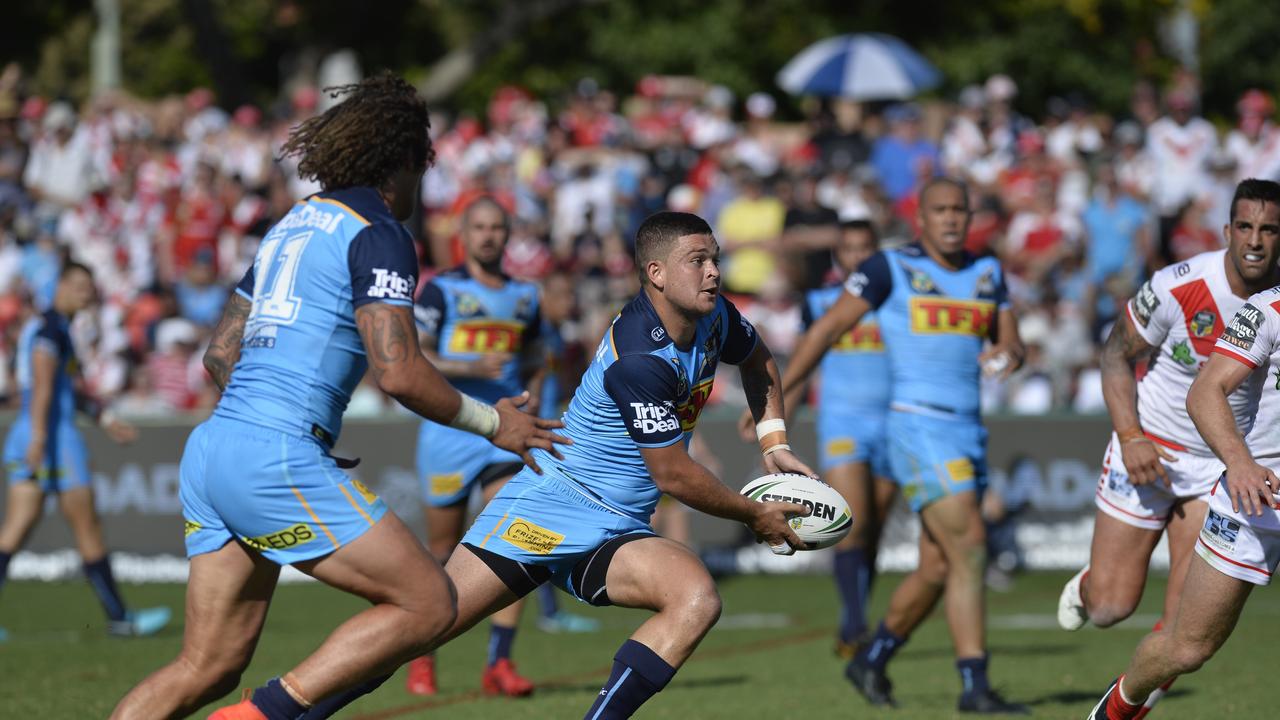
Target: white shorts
{"x": 1148, "y": 506}
{"x": 1241, "y": 546}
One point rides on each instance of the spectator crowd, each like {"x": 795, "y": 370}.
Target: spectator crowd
{"x": 166, "y": 201}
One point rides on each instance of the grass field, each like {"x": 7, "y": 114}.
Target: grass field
{"x": 770, "y": 657}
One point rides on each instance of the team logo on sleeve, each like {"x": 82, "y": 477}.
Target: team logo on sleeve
{"x": 1243, "y": 328}
{"x": 388, "y": 285}
{"x": 1201, "y": 324}
{"x": 651, "y": 418}
{"x": 428, "y": 318}
{"x": 856, "y": 283}
{"x": 1145, "y": 304}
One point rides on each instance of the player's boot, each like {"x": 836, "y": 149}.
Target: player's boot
{"x": 140, "y": 623}
{"x": 1113, "y": 708}
{"x": 243, "y": 710}
{"x": 1154, "y": 698}
{"x": 870, "y": 683}
{"x": 501, "y": 678}
{"x": 989, "y": 702}
{"x": 567, "y": 622}
{"x": 1072, "y": 614}
{"x": 422, "y": 676}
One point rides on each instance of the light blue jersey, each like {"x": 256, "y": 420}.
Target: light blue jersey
{"x": 66, "y": 460}
{"x": 853, "y": 391}
{"x": 468, "y": 320}
{"x": 259, "y": 469}
{"x": 935, "y": 322}
{"x": 641, "y": 391}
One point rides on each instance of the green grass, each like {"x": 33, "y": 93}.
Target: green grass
{"x": 59, "y": 664}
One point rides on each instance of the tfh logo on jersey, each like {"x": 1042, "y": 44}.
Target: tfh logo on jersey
{"x": 486, "y": 336}
{"x": 1243, "y": 328}
{"x": 388, "y": 285}
{"x": 948, "y": 316}
{"x": 649, "y": 418}
{"x": 864, "y": 337}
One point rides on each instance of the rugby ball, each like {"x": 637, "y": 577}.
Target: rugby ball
{"x": 830, "y": 519}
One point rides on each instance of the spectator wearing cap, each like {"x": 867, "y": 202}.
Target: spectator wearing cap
{"x": 200, "y": 296}
{"x": 964, "y": 146}
{"x": 60, "y": 170}
{"x": 1180, "y": 144}
{"x": 756, "y": 147}
{"x": 1255, "y": 143}
{"x": 897, "y": 156}
{"x": 1075, "y": 136}
{"x": 1117, "y": 230}
{"x": 1004, "y": 124}
{"x": 1134, "y": 169}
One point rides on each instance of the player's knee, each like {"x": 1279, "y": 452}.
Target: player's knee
{"x": 1105, "y": 614}
{"x": 214, "y": 674}
{"x": 1188, "y": 656}
{"x": 700, "y": 605}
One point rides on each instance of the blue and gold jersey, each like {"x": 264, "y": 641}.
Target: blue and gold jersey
{"x": 469, "y": 319}
{"x": 302, "y": 355}
{"x": 855, "y": 370}
{"x": 48, "y": 333}
{"x": 934, "y": 321}
{"x": 642, "y": 391}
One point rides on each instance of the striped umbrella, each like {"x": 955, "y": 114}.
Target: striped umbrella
{"x": 863, "y": 66}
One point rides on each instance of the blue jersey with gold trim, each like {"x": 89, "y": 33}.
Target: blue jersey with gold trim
{"x": 48, "y": 332}
{"x": 469, "y": 319}
{"x": 934, "y": 321}
{"x": 855, "y": 370}
{"x": 642, "y": 391}
{"x": 302, "y": 355}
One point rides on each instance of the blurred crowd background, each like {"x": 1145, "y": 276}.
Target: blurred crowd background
{"x": 166, "y": 197}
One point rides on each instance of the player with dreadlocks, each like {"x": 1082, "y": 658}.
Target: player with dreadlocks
{"x": 330, "y": 294}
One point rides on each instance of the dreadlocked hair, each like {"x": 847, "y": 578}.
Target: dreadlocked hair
{"x": 379, "y": 129}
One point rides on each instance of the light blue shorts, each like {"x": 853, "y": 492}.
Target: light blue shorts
{"x": 66, "y": 460}
{"x": 452, "y": 462}
{"x": 933, "y": 456}
{"x": 851, "y": 436}
{"x": 545, "y": 521}
{"x": 278, "y": 493}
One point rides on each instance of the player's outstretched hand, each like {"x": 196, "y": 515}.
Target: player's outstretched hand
{"x": 1000, "y": 361}
{"x": 120, "y": 431}
{"x": 770, "y": 525}
{"x": 785, "y": 461}
{"x": 747, "y": 427}
{"x": 520, "y": 432}
{"x": 1143, "y": 460}
{"x": 1251, "y": 488}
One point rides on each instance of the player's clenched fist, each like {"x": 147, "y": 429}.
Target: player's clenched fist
{"x": 520, "y": 432}
{"x": 1251, "y": 488}
{"x": 1144, "y": 459}
{"x": 769, "y": 523}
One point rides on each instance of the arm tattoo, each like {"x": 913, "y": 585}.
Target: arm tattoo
{"x": 224, "y": 348}
{"x": 388, "y": 334}
{"x": 1124, "y": 343}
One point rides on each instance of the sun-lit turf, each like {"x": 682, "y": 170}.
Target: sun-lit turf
{"x": 770, "y": 658}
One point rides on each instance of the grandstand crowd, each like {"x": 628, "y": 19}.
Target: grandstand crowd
{"x": 166, "y": 201}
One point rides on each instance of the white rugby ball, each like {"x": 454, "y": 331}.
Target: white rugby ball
{"x": 830, "y": 520}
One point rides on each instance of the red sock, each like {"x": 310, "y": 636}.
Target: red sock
{"x": 1158, "y": 626}
{"x": 1117, "y": 708}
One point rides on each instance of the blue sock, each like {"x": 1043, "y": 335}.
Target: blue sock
{"x": 880, "y": 650}
{"x": 638, "y": 673}
{"x": 104, "y": 586}
{"x": 500, "y": 641}
{"x": 973, "y": 674}
{"x": 548, "y": 605}
{"x": 4, "y": 566}
{"x": 851, "y": 582}
{"x": 276, "y": 703}
{"x": 332, "y": 704}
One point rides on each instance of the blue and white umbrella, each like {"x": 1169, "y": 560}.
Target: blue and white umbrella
{"x": 865, "y": 66}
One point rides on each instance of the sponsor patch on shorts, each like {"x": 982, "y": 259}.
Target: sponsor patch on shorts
{"x": 369, "y": 496}
{"x": 841, "y": 446}
{"x": 289, "y": 537}
{"x": 1220, "y": 532}
{"x": 960, "y": 470}
{"x": 446, "y": 484}
{"x": 524, "y": 534}
{"x": 190, "y": 527}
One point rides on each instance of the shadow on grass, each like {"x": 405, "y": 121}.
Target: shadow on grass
{"x": 998, "y": 651}
{"x": 1077, "y": 697}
